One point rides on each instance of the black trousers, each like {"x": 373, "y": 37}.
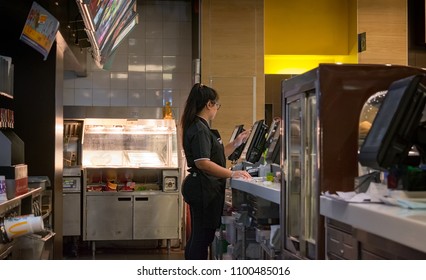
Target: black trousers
{"x": 200, "y": 238}
{"x": 198, "y": 192}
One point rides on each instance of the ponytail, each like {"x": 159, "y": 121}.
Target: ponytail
{"x": 198, "y": 97}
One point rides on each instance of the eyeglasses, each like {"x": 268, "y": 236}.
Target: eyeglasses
{"x": 217, "y": 105}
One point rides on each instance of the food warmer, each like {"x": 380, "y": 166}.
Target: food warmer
{"x": 131, "y": 187}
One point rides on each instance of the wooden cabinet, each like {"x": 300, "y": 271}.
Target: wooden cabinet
{"x": 320, "y": 112}
{"x": 374, "y": 247}
{"x": 340, "y": 244}
{"x": 344, "y": 242}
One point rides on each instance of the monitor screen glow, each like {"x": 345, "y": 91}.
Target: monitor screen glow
{"x": 255, "y": 143}
{"x": 394, "y": 129}
{"x": 237, "y": 152}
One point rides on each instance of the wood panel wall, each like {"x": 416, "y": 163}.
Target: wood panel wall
{"x": 385, "y": 23}
{"x": 232, "y": 56}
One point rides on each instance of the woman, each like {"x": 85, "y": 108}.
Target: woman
{"x": 204, "y": 187}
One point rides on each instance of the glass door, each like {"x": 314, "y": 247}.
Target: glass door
{"x": 301, "y": 193}
{"x": 293, "y": 174}
{"x": 310, "y": 175}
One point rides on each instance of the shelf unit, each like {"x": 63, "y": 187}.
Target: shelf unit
{"x": 28, "y": 203}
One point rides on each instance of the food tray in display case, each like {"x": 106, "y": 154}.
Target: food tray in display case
{"x": 143, "y": 158}
{"x": 130, "y": 143}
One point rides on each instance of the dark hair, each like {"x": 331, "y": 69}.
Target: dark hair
{"x": 199, "y": 96}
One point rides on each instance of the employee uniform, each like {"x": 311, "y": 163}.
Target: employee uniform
{"x": 204, "y": 193}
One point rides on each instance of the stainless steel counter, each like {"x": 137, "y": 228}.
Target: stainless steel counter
{"x": 404, "y": 226}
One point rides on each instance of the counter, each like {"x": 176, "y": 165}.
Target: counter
{"x": 404, "y": 226}
{"x": 256, "y": 186}
{"x": 259, "y": 200}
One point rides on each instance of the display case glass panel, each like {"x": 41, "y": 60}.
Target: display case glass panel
{"x": 311, "y": 191}
{"x": 294, "y": 169}
{"x": 302, "y": 185}
{"x": 136, "y": 143}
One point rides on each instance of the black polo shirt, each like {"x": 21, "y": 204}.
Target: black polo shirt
{"x": 201, "y": 142}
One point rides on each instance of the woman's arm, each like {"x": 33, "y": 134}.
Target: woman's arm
{"x": 216, "y": 170}
{"x": 240, "y": 139}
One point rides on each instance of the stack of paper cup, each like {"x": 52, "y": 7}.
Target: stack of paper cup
{"x": 3, "y": 194}
{"x": 22, "y": 225}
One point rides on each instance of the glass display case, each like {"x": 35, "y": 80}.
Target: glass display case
{"x": 366, "y": 118}
{"x": 130, "y": 143}
{"x": 130, "y": 171}
{"x": 368, "y": 113}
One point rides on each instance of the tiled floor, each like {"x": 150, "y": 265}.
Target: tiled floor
{"x": 131, "y": 254}
{"x": 124, "y": 253}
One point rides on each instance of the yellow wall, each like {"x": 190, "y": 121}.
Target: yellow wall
{"x": 306, "y": 27}
{"x": 301, "y": 34}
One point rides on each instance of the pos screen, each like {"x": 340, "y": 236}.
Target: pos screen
{"x": 255, "y": 144}
{"x": 397, "y": 125}
{"x": 237, "y": 152}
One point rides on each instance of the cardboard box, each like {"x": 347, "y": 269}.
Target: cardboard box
{"x": 16, "y": 179}
{"x": 16, "y": 187}
{"x": 18, "y": 171}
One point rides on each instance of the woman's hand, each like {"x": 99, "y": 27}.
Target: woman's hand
{"x": 240, "y": 174}
{"x": 241, "y": 138}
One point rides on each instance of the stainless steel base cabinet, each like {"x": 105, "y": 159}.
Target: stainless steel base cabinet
{"x": 109, "y": 217}
{"x": 132, "y": 216}
{"x": 72, "y": 214}
{"x": 156, "y": 216}
{"x": 130, "y": 180}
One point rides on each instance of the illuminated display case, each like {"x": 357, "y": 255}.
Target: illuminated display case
{"x": 130, "y": 143}
{"x": 130, "y": 171}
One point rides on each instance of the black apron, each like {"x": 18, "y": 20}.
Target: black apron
{"x": 204, "y": 192}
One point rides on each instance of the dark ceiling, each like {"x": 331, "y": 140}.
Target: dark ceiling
{"x": 13, "y": 15}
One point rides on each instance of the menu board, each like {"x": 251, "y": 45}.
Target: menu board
{"x": 107, "y": 23}
{"x": 111, "y": 17}
{"x": 40, "y": 29}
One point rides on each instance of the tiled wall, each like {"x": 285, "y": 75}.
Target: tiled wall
{"x": 151, "y": 66}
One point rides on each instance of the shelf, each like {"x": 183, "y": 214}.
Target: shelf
{"x": 6, "y": 249}
{"x": 46, "y": 214}
{"x": 6, "y": 95}
{"x": 15, "y": 202}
